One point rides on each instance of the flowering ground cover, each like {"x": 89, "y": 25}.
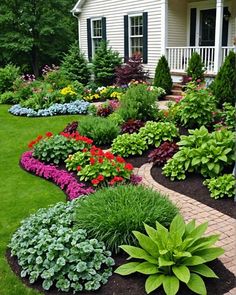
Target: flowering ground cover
{"x": 21, "y": 193}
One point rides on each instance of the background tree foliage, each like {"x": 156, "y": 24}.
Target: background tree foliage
{"x": 35, "y": 32}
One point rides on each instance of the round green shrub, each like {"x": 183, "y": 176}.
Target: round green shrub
{"x": 101, "y": 130}
{"x": 51, "y": 249}
{"x": 111, "y": 214}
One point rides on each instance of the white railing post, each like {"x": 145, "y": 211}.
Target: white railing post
{"x": 164, "y": 26}
{"x": 218, "y": 34}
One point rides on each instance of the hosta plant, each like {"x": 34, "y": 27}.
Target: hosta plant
{"x": 99, "y": 167}
{"x": 154, "y": 133}
{"x": 174, "y": 256}
{"x": 222, "y": 186}
{"x": 204, "y": 152}
{"x": 163, "y": 153}
{"x": 227, "y": 117}
{"x": 57, "y": 148}
{"x": 129, "y": 145}
{"x": 52, "y": 251}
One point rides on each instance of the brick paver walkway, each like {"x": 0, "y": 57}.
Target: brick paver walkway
{"x": 219, "y": 223}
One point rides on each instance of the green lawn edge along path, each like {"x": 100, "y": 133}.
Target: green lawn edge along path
{"x": 20, "y": 192}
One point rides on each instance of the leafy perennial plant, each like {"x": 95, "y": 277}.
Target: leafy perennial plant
{"x": 172, "y": 256}
{"x": 50, "y": 249}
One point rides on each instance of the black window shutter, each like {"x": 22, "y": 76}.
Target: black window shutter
{"x": 89, "y": 39}
{"x": 126, "y": 38}
{"x": 193, "y": 19}
{"x": 225, "y": 29}
{"x": 145, "y": 37}
{"x": 104, "y": 29}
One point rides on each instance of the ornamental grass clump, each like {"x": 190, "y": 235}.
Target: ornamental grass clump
{"x": 172, "y": 257}
{"x": 111, "y": 214}
{"x": 52, "y": 251}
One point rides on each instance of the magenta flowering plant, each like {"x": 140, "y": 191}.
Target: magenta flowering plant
{"x": 65, "y": 180}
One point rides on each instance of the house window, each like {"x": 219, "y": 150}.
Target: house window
{"x": 136, "y": 34}
{"x": 96, "y": 34}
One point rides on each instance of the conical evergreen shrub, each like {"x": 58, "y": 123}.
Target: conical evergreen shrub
{"x": 105, "y": 62}
{"x": 224, "y": 85}
{"x": 196, "y": 67}
{"x": 75, "y": 66}
{"x": 162, "y": 75}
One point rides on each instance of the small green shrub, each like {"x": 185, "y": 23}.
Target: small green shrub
{"x": 162, "y": 75}
{"x": 201, "y": 151}
{"x": 57, "y": 148}
{"x": 196, "y": 108}
{"x": 8, "y": 97}
{"x": 57, "y": 78}
{"x": 154, "y": 133}
{"x": 105, "y": 62}
{"x": 196, "y": 67}
{"x": 101, "y": 130}
{"x": 8, "y": 75}
{"x": 223, "y": 86}
{"x": 222, "y": 186}
{"x": 139, "y": 102}
{"x": 112, "y": 213}
{"x": 227, "y": 117}
{"x": 172, "y": 256}
{"x": 129, "y": 145}
{"x": 74, "y": 65}
{"x": 50, "y": 249}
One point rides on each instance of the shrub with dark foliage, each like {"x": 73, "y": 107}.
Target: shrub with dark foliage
{"x": 131, "y": 126}
{"x": 132, "y": 70}
{"x": 71, "y": 127}
{"x": 163, "y": 153}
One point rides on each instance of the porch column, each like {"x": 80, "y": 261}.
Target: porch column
{"x": 218, "y": 34}
{"x": 164, "y": 26}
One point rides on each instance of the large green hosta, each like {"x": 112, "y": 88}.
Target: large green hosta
{"x": 173, "y": 256}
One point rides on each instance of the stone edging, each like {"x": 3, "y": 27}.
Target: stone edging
{"x": 219, "y": 223}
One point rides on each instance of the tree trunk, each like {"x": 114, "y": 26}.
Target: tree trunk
{"x": 35, "y": 60}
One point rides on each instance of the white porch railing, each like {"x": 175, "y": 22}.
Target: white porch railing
{"x": 178, "y": 57}
{"x": 225, "y": 51}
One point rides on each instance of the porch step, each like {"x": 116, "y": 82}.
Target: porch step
{"x": 172, "y": 97}
{"x": 177, "y": 92}
{"x": 177, "y": 86}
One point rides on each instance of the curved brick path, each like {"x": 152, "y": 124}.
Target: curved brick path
{"x": 219, "y": 223}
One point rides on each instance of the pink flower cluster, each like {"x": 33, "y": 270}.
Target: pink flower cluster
{"x": 66, "y": 181}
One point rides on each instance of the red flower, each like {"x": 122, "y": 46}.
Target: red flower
{"x": 129, "y": 166}
{"x": 100, "y": 160}
{"x": 65, "y": 134}
{"x": 92, "y": 161}
{"x": 95, "y": 182}
{"x": 116, "y": 179}
{"x": 49, "y": 134}
{"x": 78, "y": 168}
{"x": 109, "y": 156}
{"x": 118, "y": 169}
{"x": 39, "y": 137}
{"x": 100, "y": 177}
{"x": 84, "y": 150}
{"x": 119, "y": 159}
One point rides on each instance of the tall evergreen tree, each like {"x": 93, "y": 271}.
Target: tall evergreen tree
{"x": 224, "y": 85}
{"x": 75, "y": 66}
{"x": 162, "y": 75}
{"x": 35, "y": 32}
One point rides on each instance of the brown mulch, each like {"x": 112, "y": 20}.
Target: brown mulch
{"x": 193, "y": 187}
{"x": 138, "y": 161}
{"x": 134, "y": 284}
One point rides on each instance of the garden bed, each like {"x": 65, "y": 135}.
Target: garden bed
{"x": 193, "y": 187}
{"x": 134, "y": 284}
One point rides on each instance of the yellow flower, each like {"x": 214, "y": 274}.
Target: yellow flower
{"x": 68, "y": 91}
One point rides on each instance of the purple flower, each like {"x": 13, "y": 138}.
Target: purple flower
{"x": 135, "y": 179}
{"x": 62, "y": 178}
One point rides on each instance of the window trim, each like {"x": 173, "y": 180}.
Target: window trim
{"x": 134, "y": 36}
{"x": 92, "y": 33}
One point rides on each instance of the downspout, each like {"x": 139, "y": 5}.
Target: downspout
{"x": 76, "y": 14}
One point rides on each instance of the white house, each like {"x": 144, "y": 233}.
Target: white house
{"x": 175, "y": 28}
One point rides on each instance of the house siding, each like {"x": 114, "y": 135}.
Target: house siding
{"x": 114, "y": 11}
{"x": 177, "y": 23}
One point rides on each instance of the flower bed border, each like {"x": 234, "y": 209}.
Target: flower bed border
{"x": 71, "y": 108}
{"x": 65, "y": 180}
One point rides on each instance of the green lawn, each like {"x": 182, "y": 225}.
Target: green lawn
{"x": 20, "y": 192}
